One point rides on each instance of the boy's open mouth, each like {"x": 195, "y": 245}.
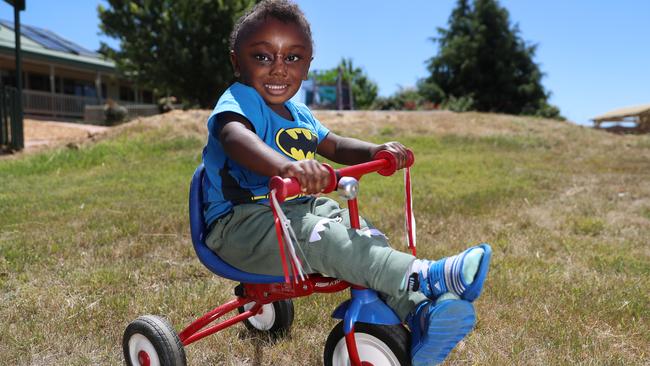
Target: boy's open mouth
{"x": 276, "y": 89}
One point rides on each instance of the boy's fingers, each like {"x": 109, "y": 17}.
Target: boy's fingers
{"x": 401, "y": 154}
{"x": 300, "y": 175}
{"x": 309, "y": 177}
{"x": 312, "y": 175}
{"x": 321, "y": 177}
{"x": 399, "y": 151}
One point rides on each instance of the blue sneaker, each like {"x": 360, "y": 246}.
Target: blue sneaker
{"x": 462, "y": 275}
{"x": 437, "y": 328}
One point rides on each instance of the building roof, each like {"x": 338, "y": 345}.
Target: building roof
{"x": 46, "y": 45}
{"x": 623, "y": 113}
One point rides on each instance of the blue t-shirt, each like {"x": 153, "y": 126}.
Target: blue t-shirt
{"x": 228, "y": 183}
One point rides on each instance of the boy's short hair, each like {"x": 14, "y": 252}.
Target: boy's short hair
{"x": 282, "y": 10}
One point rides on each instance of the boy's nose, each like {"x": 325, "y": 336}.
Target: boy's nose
{"x": 279, "y": 67}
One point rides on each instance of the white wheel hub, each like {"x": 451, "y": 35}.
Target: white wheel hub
{"x": 138, "y": 343}
{"x": 263, "y": 320}
{"x": 371, "y": 349}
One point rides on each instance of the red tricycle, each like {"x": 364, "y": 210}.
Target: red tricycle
{"x": 369, "y": 333}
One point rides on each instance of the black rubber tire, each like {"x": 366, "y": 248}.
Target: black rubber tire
{"x": 161, "y": 335}
{"x": 395, "y": 338}
{"x": 281, "y": 323}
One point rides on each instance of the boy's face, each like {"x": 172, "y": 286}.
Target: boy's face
{"x": 274, "y": 59}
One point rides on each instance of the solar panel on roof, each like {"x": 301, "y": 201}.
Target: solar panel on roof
{"x": 64, "y": 42}
{"x": 50, "y": 40}
{"x": 43, "y": 40}
{"x": 47, "y": 41}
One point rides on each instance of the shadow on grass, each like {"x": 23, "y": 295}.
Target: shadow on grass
{"x": 261, "y": 340}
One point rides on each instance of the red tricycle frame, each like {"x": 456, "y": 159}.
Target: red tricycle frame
{"x": 260, "y": 294}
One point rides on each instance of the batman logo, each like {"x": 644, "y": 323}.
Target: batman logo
{"x": 298, "y": 143}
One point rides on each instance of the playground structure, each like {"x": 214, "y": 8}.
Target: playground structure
{"x": 337, "y": 95}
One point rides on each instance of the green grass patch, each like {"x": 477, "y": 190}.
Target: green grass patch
{"x": 92, "y": 238}
{"x": 588, "y": 226}
{"x": 646, "y": 212}
{"x": 387, "y": 131}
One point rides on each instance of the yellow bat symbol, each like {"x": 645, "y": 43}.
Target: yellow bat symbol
{"x": 297, "y": 143}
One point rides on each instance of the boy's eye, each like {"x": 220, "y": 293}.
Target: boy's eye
{"x": 262, "y": 58}
{"x": 292, "y": 58}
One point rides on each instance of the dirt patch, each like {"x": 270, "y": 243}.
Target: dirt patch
{"x": 40, "y": 135}
{"x": 45, "y": 134}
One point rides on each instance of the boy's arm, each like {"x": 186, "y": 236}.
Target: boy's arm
{"x": 348, "y": 151}
{"x": 242, "y": 145}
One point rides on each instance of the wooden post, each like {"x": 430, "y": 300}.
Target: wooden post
{"x": 53, "y": 101}
{"x": 644, "y": 122}
{"x": 350, "y": 95}
{"x": 339, "y": 90}
{"x": 18, "y": 139}
{"x": 52, "y": 80}
{"x": 98, "y": 87}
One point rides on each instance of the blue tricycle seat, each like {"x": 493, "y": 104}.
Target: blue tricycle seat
{"x": 199, "y": 232}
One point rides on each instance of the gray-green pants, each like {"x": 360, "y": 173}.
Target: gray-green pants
{"x": 246, "y": 239}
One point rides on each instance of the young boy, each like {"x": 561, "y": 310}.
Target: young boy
{"x": 256, "y": 132}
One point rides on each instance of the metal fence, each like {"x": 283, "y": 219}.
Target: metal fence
{"x": 66, "y": 107}
{"x": 11, "y": 126}
{"x": 95, "y": 114}
{"x": 56, "y": 105}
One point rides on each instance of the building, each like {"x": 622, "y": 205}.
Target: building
{"x": 60, "y": 78}
{"x": 637, "y": 116}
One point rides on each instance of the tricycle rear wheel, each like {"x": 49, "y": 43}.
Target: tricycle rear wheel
{"x": 151, "y": 341}
{"x": 275, "y": 318}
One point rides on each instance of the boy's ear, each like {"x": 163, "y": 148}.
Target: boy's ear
{"x": 306, "y": 77}
{"x": 234, "y": 62}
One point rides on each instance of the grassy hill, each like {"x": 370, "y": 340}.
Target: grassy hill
{"x": 91, "y": 238}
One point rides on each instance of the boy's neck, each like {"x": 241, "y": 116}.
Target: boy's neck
{"x": 282, "y": 110}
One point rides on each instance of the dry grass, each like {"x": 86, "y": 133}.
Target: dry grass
{"x": 47, "y": 134}
{"x": 91, "y": 238}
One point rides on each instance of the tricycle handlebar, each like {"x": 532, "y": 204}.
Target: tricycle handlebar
{"x": 384, "y": 163}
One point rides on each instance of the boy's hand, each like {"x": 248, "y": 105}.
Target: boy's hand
{"x": 396, "y": 149}
{"x": 311, "y": 174}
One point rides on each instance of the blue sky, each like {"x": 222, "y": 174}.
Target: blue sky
{"x": 595, "y": 53}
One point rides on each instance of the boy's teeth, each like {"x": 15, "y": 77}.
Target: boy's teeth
{"x": 275, "y": 86}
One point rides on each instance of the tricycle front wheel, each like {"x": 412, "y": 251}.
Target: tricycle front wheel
{"x": 377, "y": 344}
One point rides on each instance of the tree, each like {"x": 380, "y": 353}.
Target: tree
{"x": 364, "y": 90}
{"x": 174, "y": 46}
{"x": 482, "y": 60}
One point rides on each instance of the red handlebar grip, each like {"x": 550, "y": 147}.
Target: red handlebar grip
{"x": 411, "y": 158}
{"x": 333, "y": 181}
{"x": 391, "y": 162}
{"x": 288, "y": 187}
{"x": 391, "y": 166}
{"x": 284, "y": 187}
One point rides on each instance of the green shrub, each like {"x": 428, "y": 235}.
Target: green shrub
{"x": 114, "y": 113}
{"x": 404, "y": 99}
